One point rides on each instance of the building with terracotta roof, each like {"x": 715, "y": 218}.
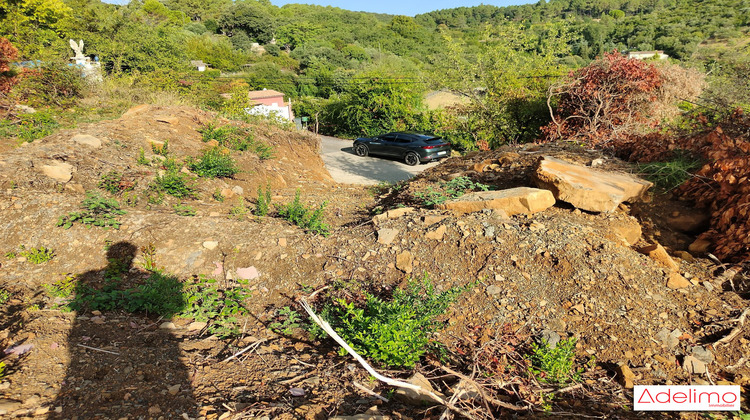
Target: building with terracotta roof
{"x": 266, "y": 101}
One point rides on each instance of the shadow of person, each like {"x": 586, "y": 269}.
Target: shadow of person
{"x": 122, "y": 364}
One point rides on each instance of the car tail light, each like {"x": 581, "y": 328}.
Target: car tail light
{"x": 434, "y": 147}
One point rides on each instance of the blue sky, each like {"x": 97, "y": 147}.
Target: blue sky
{"x": 396, "y": 7}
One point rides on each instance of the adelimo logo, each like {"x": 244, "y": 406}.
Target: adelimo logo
{"x": 686, "y": 398}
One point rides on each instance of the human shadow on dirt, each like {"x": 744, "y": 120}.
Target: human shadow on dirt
{"x": 122, "y": 364}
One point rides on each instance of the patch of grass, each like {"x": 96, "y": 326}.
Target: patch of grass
{"x": 159, "y": 294}
{"x": 449, "y": 189}
{"x": 38, "y": 255}
{"x": 175, "y": 184}
{"x": 218, "y": 196}
{"x": 184, "y": 210}
{"x": 130, "y": 199}
{"x": 671, "y": 174}
{"x": 306, "y": 218}
{"x": 236, "y": 138}
{"x": 239, "y": 211}
{"x": 29, "y": 127}
{"x": 218, "y": 306}
{"x": 263, "y": 205}
{"x": 214, "y": 163}
{"x": 396, "y": 332}
{"x": 556, "y": 365}
{"x": 114, "y": 183}
{"x": 162, "y": 150}
{"x": 97, "y": 211}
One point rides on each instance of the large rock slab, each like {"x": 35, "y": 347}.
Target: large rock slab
{"x": 521, "y": 200}
{"x": 586, "y": 188}
{"x": 59, "y": 171}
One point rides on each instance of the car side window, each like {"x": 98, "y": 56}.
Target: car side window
{"x": 403, "y": 140}
{"x": 388, "y": 137}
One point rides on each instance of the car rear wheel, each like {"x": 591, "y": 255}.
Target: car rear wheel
{"x": 411, "y": 159}
{"x": 361, "y": 150}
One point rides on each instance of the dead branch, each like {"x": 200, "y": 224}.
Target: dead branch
{"x": 736, "y": 331}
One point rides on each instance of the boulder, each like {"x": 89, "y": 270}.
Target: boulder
{"x": 629, "y": 229}
{"x": 404, "y": 262}
{"x": 392, "y": 214}
{"x": 677, "y": 281}
{"x": 87, "y": 140}
{"x": 513, "y": 201}
{"x": 586, "y": 188}
{"x": 437, "y": 234}
{"x": 59, "y": 171}
{"x": 625, "y": 376}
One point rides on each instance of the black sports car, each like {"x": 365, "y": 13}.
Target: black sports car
{"x": 413, "y": 148}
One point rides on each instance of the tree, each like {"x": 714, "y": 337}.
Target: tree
{"x": 8, "y": 53}
{"x": 250, "y": 18}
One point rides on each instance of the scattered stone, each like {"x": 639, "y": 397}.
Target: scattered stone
{"x": 59, "y": 171}
{"x": 196, "y": 326}
{"x": 414, "y": 397}
{"x": 676, "y": 281}
{"x": 693, "y": 365}
{"x": 371, "y": 414}
{"x": 625, "y": 376}
{"x": 76, "y": 188}
{"x": 174, "y": 389}
{"x": 585, "y": 188}
{"x": 431, "y": 220}
{"x": 551, "y": 338}
{"x": 700, "y": 246}
{"x": 684, "y": 255}
{"x": 669, "y": 339}
{"x": 87, "y": 140}
{"x": 171, "y": 120}
{"x": 702, "y": 354}
{"x": 227, "y": 193}
{"x": 437, "y": 234}
{"x": 9, "y": 406}
{"x": 154, "y": 410}
{"x": 210, "y": 245}
{"x": 657, "y": 253}
{"x": 513, "y": 201}
{"x": 392, "y": 214}
{"x": 238, "y": 190}
{"x": 282, "y": 242}
{"x": 596, "y": 162}
{"x": 248, "y": 273}
{"x": 508, "y": 158}
{"x": 168, "y": 326}
{"x": 386, "y": 236}
{"x": 404, "y": 262}
{"x": 25, "y": 109}
{"x": 494, "y": 290}
{"x": 629, "y": 229}
{"x": 708, "y": 286}
{"x": 297, "y": 392}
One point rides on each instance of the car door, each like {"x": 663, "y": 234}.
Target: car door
{"x": 376, "y": 145}
{"x": 389, "y": 145}
{"x": 401, "y": 145}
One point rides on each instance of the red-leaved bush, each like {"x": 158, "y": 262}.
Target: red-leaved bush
{"x": 8, "y": 53}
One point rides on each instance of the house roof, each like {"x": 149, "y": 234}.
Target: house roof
{"x": 262, "y": 94}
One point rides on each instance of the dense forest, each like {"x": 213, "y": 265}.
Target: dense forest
{"x": 359, "y": 73}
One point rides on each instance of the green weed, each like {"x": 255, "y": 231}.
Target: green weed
{"x": 239, "y": 211}
{"x": 214, "y": 163}
{"x": 114, "y": 183}
{"x": 263, "y": 205}
{"x": 218, "y": 196}
{"x": 4, "y": 296}
{"x": 207, "y": 302}
{"x": 141, "y": 160}
{"x": 175, "y": 184}
{"x": 130, "y": 199}
{"x": 29, "y": 127}
{"x": 97, "y": 211}
{"x": 162, "y": 150}
{"x": 554, "y": 366}
{"x": 62, "y": 288}
{"x": 308, "y": 219}
{"x": 287, "y": 320}
{"x": 395, "y": 332}
{"x": 184, "y": 210}
{"x": 671, "y": 174}
{"x": 38, "y": 255}
{"x": 448, "y": 190}
{"x": 236, "y": 138}
{"x": 148, "y": 253}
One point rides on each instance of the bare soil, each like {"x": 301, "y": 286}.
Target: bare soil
{"x": 561, "y": 271}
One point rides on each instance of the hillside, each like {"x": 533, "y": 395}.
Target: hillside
{"x": 560, "y": 273}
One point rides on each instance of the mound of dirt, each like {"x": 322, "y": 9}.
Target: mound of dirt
{"x": 558, "y": 273}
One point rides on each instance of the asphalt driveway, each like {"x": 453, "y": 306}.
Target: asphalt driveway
{"x": 347, "y": 168}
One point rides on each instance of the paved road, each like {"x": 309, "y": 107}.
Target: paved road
{"x": 347, "y": 168}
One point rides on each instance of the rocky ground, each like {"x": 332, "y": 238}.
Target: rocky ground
{"x": 654, "y": 316}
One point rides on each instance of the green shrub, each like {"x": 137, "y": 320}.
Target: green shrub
{"x": 207, "y": 302}
{"x": 175, "y": 184}
{"x": 449, "y": 189}
{"x": 184, "y": 210}
{"x": 38, "y": 255}
{"x": 287, "y": 320}
{"x": 308, "y": 219}
{"x": 63, "y": 288}
{"x": 218, "y": 196}
{"x": 263, "y": 206}
{"x": 4, "y": 296}
{"x": 214, "y": 163}
{"x": 97, "y": 211}
{"x": 141, "y": 160}
{"x": 396, "y": 332}
{"x": 162, "y": 150}
{"x": 554, "y": 366}
{"x": 52, "y": 83}
{"x": 114, "y": 183}
{"x": 239, "y": 211}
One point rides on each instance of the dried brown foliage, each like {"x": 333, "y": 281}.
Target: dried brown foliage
{"x": 8, "y": 53}
{"x": 722, "y": 184}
